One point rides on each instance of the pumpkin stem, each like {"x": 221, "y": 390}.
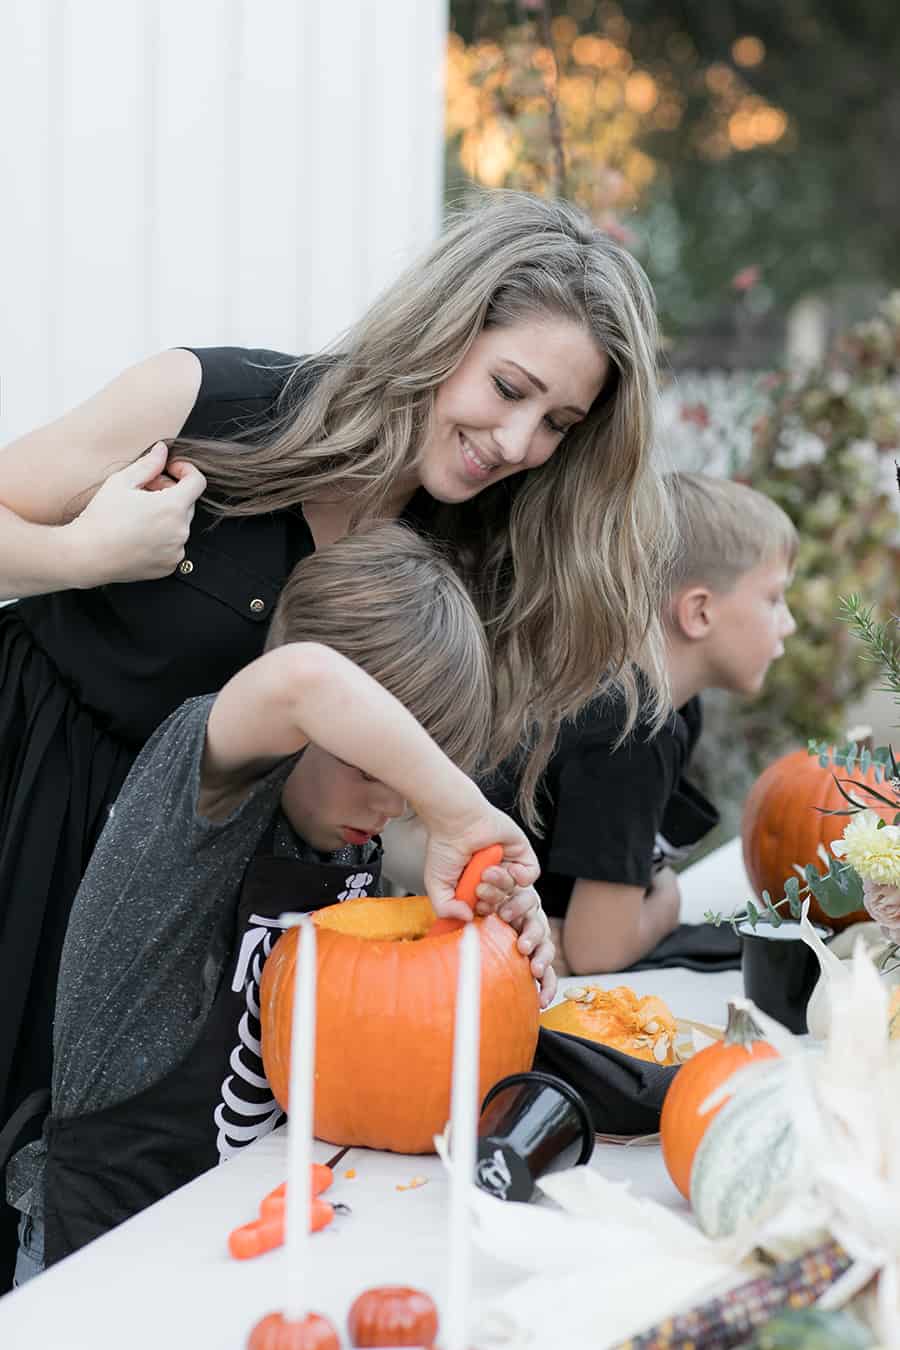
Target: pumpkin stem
{"x": 740, "y": 1029}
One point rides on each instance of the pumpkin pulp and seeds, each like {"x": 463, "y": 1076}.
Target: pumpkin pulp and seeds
{"x": 643, "y": 1027}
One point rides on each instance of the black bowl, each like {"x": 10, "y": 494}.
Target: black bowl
{"x": 780, "y": 971}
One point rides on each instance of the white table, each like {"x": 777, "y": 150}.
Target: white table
{"x": 165, "y": 1279}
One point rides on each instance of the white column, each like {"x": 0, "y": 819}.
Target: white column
{"x": 204, "y": 172}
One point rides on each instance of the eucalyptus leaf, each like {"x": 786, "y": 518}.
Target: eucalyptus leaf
{"x": 839, "y": 891}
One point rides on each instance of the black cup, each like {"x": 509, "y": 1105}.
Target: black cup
{"x": 531, "y": 1123}
{"x": 780, "y": 971}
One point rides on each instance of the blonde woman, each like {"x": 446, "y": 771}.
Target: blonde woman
{"x": 499, "y": 397}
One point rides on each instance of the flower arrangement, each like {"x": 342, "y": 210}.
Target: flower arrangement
{"x": 865, "y": 867}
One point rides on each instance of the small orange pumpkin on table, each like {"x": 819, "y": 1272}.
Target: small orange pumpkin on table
{"x": 682, "y": 1124}
{"x": 393, "y": 1315}
{"x": 384, "y": 1039}
{"x": 277, "y": 1332}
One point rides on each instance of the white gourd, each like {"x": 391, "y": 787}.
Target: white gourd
{"x": 747, "y": 1154}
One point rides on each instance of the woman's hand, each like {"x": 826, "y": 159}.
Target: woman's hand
{"x": 137, "y": 523}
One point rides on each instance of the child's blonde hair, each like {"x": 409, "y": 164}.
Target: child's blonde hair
{"x": 725, "y": 530}
{"x": 389, "y": 602}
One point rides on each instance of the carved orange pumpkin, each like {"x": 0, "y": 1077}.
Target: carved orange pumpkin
{"x": 781, "y": 826}
{"x": 384, "y": 1019}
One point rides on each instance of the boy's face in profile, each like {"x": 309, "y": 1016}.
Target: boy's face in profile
{"x": 330, "y": 803}
{"x": 750, "y": 624}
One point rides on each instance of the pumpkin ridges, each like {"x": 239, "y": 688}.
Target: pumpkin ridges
{"x": 781, "y": 825}
{"x": 682, "y": 1125}
{"x": 385, "y": 1030}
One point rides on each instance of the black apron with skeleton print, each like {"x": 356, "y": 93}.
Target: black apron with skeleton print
{"x": 217, "y": 1100}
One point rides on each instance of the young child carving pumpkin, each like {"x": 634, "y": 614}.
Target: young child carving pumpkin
{"x": 269, "y": 796}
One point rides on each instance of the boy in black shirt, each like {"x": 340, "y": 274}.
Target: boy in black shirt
{"x": 616, "y": 815}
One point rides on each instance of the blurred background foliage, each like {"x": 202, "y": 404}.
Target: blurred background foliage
{"x": 745, "y": 152}
{"x": 715, "y": 136}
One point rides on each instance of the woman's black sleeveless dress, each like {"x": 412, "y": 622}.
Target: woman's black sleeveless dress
{"x": 85, "y": 678}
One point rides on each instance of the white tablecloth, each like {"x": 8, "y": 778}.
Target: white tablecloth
{"x": 165, "y": 1279}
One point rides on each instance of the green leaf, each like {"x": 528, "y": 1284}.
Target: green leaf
{"x": 752, "y": 914}
{"x": 865, "y": 761}
{"x": 839, "y": 891}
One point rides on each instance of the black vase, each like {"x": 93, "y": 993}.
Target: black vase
{"x": 780, "y": 970}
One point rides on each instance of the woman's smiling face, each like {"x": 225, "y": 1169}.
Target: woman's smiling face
{"x": 508, "y": 405}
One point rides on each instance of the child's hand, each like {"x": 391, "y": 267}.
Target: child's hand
{"x": 523, "y": 912}
{"x": 448, "y": 852}
{"x": 521, "y": 908}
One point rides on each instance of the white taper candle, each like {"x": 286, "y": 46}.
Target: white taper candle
{"x": 300, "y": 1119}
{"x": 463, "y": 1135}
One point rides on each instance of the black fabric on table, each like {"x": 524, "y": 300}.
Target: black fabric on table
{"x": 624, "y": 1095}
{"x": 695, "y": 946}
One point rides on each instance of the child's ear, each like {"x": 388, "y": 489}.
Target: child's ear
{"x": 692, "y": 612}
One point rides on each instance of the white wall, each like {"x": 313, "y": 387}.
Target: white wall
{"x": 204, "y": 172}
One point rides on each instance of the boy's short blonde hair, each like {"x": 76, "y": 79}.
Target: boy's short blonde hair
{"x": 390, "y": 602}
{"x": 725, "y": 530}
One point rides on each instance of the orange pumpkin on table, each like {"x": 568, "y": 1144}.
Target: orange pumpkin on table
{"x": 682, "y": 1124}
{"x": 780, "y": 825}
{"x": 384, "y": 1019}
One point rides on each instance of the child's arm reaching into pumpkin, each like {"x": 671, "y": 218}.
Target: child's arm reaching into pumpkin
{"x": 305, "y": 692}
{"x": 406, "y": 841}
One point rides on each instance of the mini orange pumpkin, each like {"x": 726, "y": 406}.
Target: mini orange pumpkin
{"x": 642, "y": 1027}
{"x": 781, "y": 826}
{"x": 682, "y": 1125}
{"x": 384, "y": 1019}
{"x": 394, "y": 1316}
{"x": 276, "y": 1332}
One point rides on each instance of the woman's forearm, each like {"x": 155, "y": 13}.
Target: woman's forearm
{"x": 36, "y": 559}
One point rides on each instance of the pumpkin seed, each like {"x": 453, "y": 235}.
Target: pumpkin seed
{"x": 661, "y": 1049}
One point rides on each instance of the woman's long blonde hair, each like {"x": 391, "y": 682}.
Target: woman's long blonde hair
{"x": 566, "y": 562}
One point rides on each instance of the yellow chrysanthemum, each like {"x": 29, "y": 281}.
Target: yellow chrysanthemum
{"x": 871, "y": 851}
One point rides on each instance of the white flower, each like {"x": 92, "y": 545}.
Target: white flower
{"x": 883, "y": 903}
{"x": 871, "y": 849}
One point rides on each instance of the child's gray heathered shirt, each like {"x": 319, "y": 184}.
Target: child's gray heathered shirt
{"x": 150, "y": 929}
